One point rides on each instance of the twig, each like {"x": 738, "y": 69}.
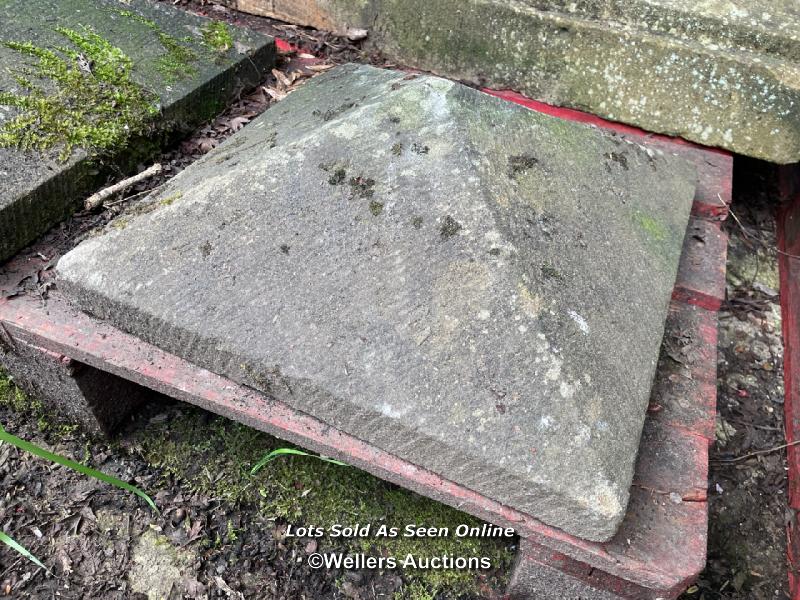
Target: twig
{"x": 131, "y": 197}
{"x": 756, "y": 453}
{"x": 96, "y": 200}
{"x": 6, "y": 341}
{"x": 751, "y": 238}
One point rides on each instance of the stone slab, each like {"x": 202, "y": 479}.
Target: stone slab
{"x": 425, "y": 267}
{"x": 722, "y": 74}
{"x": 40, "y": 188}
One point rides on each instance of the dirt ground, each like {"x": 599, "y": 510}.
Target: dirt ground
{"x": 222, "y": 533}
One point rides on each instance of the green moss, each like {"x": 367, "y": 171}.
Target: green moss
{"x": 14, "y": 398}
{"x": 333, "y": 112}
{"x": 216, "y": 35}
{"x": 80, "y": 95}
{"x": 18, "y": 401}
{"x": 120, "y": 223}
{"x": 170, "y": 199}
{"x": 362, "y": 187}
{"x": 338, "y": 177}
{"x": 215, "y": 456}
{"x": 415, "y": 591}
{"x": 177, "y": 62}
{"x": 375, "y": 207}
{"x": 653, "y": 228}
{"x": 747, "y": 265}
{"x": 551, "y": 272}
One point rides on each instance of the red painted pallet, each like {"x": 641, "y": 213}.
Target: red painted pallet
{"x": 789, "y": 268}
{"x": 661, "y": 545}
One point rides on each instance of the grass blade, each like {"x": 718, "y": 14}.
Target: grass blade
{"x": 291, "y": 451}
{"x": 71, "y": 464}
{"x": 15, "y": 545}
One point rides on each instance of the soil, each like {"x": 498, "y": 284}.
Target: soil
{"x": 102, "y": 543}
{"x": 219, "y": 535}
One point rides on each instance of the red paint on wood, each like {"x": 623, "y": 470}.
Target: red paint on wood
{"x": 789, "y": 271}
{"x": 284, "y": 46}
{"x": 64, "y": 330}
{"x": 571, "y": 114}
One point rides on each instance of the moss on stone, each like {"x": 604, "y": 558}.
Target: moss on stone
{"x": 375, "y": 207}
{"x": 551, "y": 272}
{"x": 362, "y": 187}
{"x": 170, "y": 199}
{"x": 449, "y": 227}
{"x": 81, "y": 95}
{"x": 217, "y": 35}
{"x": 13, "y": 398}
{"x": 338, "y": 177}
{"x": 177, "y": 61}
{"x": 653, "y": 228}
{"x": 214, "y": 456}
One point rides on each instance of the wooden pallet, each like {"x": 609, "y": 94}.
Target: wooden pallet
{"x": 661, "y": 546}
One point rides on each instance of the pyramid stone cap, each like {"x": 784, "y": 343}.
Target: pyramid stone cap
{"x": 472, "y": 286}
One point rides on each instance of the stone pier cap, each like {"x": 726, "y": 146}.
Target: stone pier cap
{"x": 475, "y": 287}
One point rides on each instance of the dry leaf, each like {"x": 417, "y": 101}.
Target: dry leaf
{"x": 319, "y": 67}
{"x": 238, "y": 122}
{"x": 282, "y": 79}
{"x": 207, "y": 144}
{"x": 221, "y": 584}
{"x": 275, "y": 94}
{"x": 355, "y": 34}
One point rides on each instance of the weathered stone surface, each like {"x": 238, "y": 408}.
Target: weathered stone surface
{"x": 721, "y": 73}
{"x": 39, "y": 188}
{"x": 473, "y": 286}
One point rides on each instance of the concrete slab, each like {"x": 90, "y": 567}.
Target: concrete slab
{"x": 479, "y": 289}
{"x": 90, "y": 78}
{"x": 719, "y": 73}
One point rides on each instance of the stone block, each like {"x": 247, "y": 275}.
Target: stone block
{"x": 718, "y": 73}
{"x": 94, "y": 399}
{"x": 476, "y": 288}
{"x": 90, "y": 83}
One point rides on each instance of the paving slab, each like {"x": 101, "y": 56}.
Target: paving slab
{"x": 90, "y": 83}
{"x": 721, "y": 73}
{"x": 479, "y": 289}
